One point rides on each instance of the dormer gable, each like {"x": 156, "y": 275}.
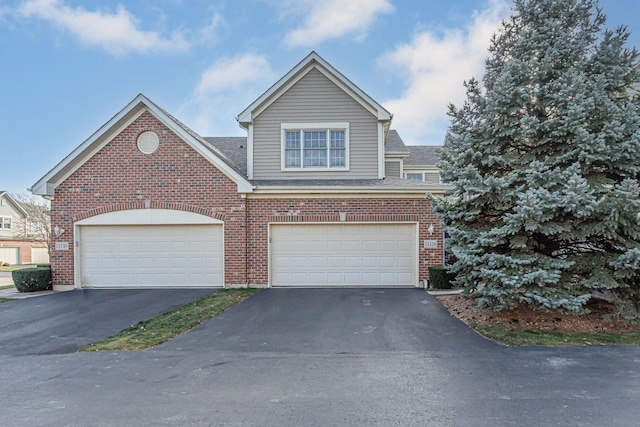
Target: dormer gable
{"x": 314, "y": 122}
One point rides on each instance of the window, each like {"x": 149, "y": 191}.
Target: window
{"x": 5, "y": 222}
{"x": 317, "y": 146}
{"x": 413, "y": 176}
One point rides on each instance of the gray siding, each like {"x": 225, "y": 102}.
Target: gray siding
{"x": 392, "y": 169}
{"x": 17, "y": 220}
{"x": 315, "y": 99}
{"x": 432, "y": 177}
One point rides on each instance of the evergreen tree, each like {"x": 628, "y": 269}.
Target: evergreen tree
{"x": 544, "y": 158}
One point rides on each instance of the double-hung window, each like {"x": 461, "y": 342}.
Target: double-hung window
{"x": 5, "y": 222}
{"x": 315, "y": 146}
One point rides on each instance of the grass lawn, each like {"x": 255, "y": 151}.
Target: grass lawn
{"x": 162, "y": 328}
{"x": 516, "y": 337}
{"x": 5, "y": 300}
{"x": 7, "y": 287}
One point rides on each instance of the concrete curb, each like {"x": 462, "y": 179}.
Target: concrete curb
{"x": 12, "y": 293}
{"x": 437, "y": 292}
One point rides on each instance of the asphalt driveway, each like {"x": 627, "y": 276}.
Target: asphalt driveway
{"x": 62, "y": 322}
{"x": 295, "y": 357}
{"x": 334, "y": 321}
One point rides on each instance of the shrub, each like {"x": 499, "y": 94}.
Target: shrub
{"x": 439, "y": 278}
{"x": 32, "y": 279}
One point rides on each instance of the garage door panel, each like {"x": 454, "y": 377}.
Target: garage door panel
{"x": 151, "y": 256}
{"x": 317, "y": 245}
{"x": 40, "y": 256}
{"x": 388, "y": 261}
{"x": 316, "y": 261}
{"x": 297, "y": 277}
{"x": 369, "y": 261}
{"x": 352, "y": 261}
{"x": 403, "y": 277}
{"x": 343, "y": 255}
{"x": 335, "y": 277}
{"x": 10, "y": 255}
{"x": 334, "y": 261}
{"x": 352, "y": 245}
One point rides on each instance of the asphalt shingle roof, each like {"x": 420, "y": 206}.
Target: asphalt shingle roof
{"x": 234, "y": 149}
{"x": 395, "y": 143}
{"x": 422, "y": 155}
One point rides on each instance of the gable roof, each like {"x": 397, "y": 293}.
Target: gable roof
{"x": 233, "y": 148}
{"x": 5, "y": 195}
{"x": 313, "y": 61}
{"x": 46, "y": 185}
{"x": 422, "y": 155}
{"x": 395, "y": 144}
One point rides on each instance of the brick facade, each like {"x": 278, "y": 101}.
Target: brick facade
{"x": 120, "y": 177}
{"x": 262, "y": 212}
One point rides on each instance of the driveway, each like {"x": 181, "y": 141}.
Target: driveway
{"x": 325, "y": 357}
{"x": 335, "y": 321}
{"x": 62, "y": 322}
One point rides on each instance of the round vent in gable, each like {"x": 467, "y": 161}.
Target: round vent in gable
{"x": 148, "y": 142}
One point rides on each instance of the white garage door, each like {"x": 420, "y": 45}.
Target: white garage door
{"x": 374, "y": 255}
{"x": 39, "y": 256}
{"x": 153, "y": 256}
{"x": 10, "y": 255}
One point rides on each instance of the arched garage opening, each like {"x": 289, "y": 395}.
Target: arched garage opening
{"x": 149, "y": 248}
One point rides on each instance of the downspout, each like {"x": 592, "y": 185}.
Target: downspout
{"x": 246, "y": 240}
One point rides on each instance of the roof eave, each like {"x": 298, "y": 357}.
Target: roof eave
{"x": 279, "y": 189}
{"x": 14, "y": 202}
{"x": 246, "y": 117}
{"x": 46, "y": 185}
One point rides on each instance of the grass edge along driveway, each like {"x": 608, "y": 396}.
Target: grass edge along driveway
{"x": 160, "y": 329}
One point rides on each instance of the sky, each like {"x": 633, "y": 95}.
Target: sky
{"x": 68, "y": 66}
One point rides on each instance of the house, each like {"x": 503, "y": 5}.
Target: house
{"x": 305, "y": 199}
{"x": 20, "y": 243}
{"x": 414, "y": 162}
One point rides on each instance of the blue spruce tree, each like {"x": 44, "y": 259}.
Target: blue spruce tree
{"x": 544, "y": 159}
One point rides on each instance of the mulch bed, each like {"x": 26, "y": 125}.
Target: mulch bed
{"x": 523, "y": 317}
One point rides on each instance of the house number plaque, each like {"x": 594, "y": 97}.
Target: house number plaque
{"x": 62, "y": 246}
{"x": 431, "y": 244}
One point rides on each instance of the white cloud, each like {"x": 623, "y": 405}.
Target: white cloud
{"x": 233, "y": 72}
{"x": 330, "y": 19}
{"x": 227, "y": 87}
{"x": 209, "y": 34}
{"x": 433, "y": 67}
{"x": 117, "y": 33}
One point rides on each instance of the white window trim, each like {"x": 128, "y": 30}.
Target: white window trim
{"x": 414, "y": 173}
{"x": 2, "y": 227}
{"x": 325, "y": 126}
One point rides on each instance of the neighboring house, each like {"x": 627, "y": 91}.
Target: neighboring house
{"x": 19, "y": 242}
{"x": 303, "y": 200}
{"x": 413, "y": 162}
